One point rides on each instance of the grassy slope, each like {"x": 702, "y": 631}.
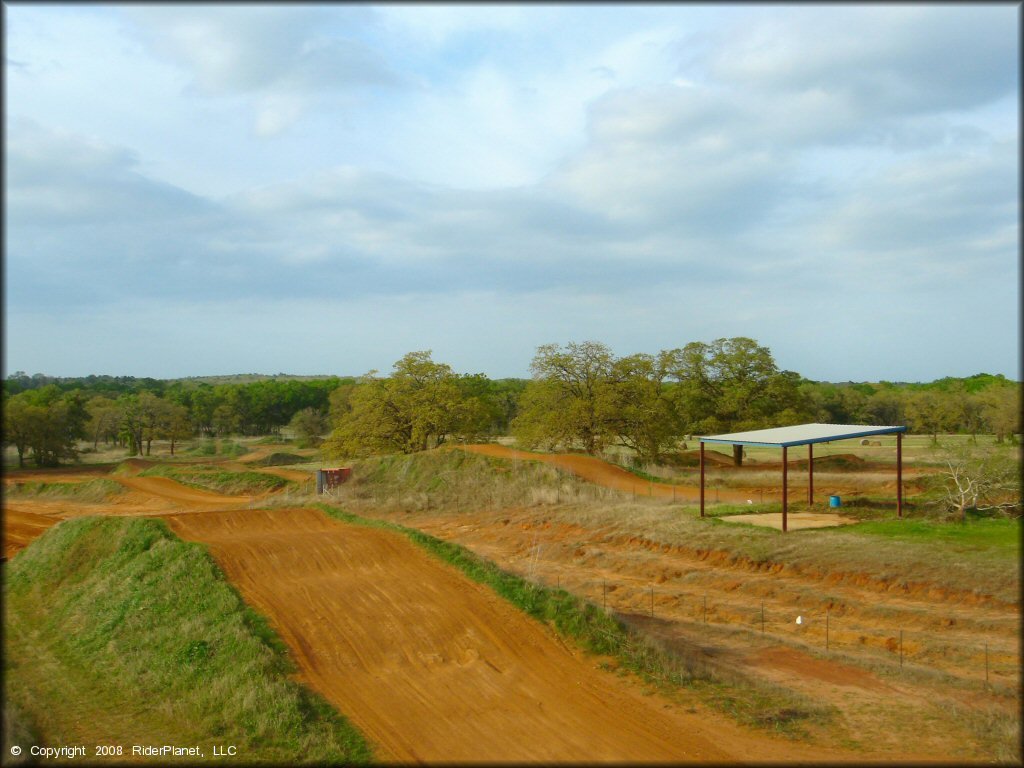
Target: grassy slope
{"x": 116, "y": 630}
{"x": 100, "y": 489}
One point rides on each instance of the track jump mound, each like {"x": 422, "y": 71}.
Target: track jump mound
{"x": 166, "y": 488}
{"x": 22, "y": 528}
{"x": 602, "y": 473}
{"x": 279, "y": 459}
{"x": 429, "y": 665}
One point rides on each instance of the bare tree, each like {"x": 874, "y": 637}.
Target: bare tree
{"x": 982, "y": 482}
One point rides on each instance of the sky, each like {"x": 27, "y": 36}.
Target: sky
{"x": 319, "y": 189}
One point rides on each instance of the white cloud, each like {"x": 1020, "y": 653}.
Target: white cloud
{"x": 620, "y": 174}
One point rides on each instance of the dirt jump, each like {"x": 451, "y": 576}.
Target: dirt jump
{"x": 602, "y": 473}
{"x": 22, "y": 528}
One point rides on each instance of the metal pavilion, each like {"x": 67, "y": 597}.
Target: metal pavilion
{"x": 806, "y": 434}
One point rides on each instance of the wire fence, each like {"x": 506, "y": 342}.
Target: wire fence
{"x": 823, "y": 631}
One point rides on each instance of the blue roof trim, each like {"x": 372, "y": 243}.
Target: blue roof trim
{"x": 790, "y": 444}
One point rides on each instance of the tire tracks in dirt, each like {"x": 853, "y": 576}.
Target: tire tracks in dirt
{"x": 435, "y": 667}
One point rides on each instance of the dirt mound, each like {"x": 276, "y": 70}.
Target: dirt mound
{"x": 602, "y": 473}
{"x": 181, "y": 494}
{"x": 692, "y": 458}
{"x": 21, "y": 528}
{"x": 280, "y": 459}
{"x": 134, "y": 466}
{"x": 288, "y": 474}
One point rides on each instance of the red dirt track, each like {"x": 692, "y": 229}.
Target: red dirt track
{"x": 432, "y": 666}
{"x": 22, "y": 528}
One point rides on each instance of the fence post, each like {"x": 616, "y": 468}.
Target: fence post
{"x": 986, "y": 663}
{"x": 705, "y": 608}
{"x": 604, "y": 595}
{"x": 652, "y": 605}
{"x": 762, "y": 617}
{"x": 826, "y": 628}
{"x": 901, "y": 649}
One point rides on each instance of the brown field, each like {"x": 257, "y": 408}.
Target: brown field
{"x": 433, "y": 667}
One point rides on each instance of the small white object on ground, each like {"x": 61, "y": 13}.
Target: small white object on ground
{"x": 799, "y": 619}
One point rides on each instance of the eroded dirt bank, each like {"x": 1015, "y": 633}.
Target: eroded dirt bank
{"x": 944, "y": 633}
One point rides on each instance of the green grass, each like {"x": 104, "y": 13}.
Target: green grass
{"x": 993, "y": 533}
{"x": 749, "y": 702}
{"x": 89, "y": 490}
{"x": 210, "y": 477}
{"x": 118, "y": 630}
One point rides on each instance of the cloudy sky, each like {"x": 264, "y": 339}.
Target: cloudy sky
{"x": 196, "y": 190}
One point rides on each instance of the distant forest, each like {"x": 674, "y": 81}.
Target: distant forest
{"x": 580, "y": 397}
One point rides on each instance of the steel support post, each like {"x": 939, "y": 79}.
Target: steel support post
{"x": 785, "y": 496}
{"x": 702, "y": 479}
{"x": 899, "y": 474}
{"x": 810, "y": 474}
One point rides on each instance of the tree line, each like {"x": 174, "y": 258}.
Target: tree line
{"x": 583, "y": 397}
{"x": 580, "y": 396}
{"x": 46, "y": 423}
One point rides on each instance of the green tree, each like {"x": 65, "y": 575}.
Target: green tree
{"x": 175, "y": 424}
{"x": 644, "y": 417}
{"x": 21, "y": 418}
{"x": 46, "y": 421}
{"x": 733, "y": 385}
{"x": 103, "y": 418}
{"x": 1001, "y": 410}
{"x": 419, "y": 406}
{"x": 309, "y": 424}
{"x": 139, "y": 419}
{"x": 571, "y": 399}
{"x": 928, "y": 413}
{"x": 885, "y": 408}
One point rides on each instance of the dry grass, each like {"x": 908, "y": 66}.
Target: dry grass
{"x": 456, "y": 481}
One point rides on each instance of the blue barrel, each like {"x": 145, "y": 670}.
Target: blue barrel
{"x": 834, "y": 501}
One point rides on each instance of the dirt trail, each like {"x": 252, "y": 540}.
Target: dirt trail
{"x": 434, "y": 667}
{"x": 608, "y": 475}
{"x": 178, "y": 493}
{"x": 602, "y": 473}
{"x": 22, "y": 528}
